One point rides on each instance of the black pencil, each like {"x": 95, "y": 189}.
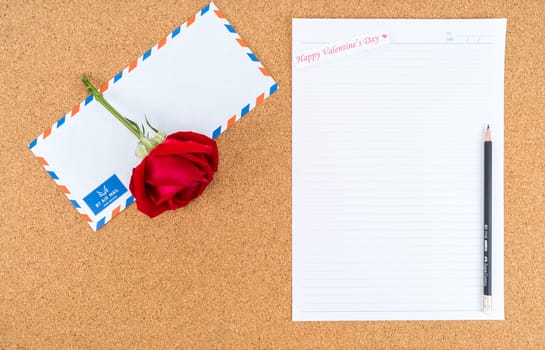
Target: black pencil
{"x": 487, "y": 256}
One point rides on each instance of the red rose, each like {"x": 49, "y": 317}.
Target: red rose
{"x": 175, "y": 172}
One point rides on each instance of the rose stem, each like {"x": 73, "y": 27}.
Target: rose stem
{"x": 98, "y": 96}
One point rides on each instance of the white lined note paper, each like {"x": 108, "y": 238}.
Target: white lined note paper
{"x": 388, "y": 170}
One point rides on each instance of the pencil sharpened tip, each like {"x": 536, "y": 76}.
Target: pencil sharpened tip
{"x": 487, "y": 126}
{"x": 487, "y": 134}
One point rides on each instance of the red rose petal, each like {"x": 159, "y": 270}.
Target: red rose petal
{"x": 174, "y": 173}
{"x": 139, "y": 191}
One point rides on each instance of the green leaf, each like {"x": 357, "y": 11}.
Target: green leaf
{"x": 133, "y": 124}
{"x": 151, "y": 127}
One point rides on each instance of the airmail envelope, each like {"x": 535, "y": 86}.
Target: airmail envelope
{"x": 201, "y": 77}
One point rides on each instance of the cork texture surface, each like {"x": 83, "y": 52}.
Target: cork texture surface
{"x": 217, "y": 274}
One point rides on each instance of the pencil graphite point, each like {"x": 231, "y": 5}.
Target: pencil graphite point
{"x": 488, "y": 135}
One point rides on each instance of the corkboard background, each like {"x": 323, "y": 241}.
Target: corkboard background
{"x": 217, "y": 274}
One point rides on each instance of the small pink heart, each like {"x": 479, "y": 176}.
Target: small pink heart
{"x": 384, "y": 36}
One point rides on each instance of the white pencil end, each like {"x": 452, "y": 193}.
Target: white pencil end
{"x": 487, "y": 304}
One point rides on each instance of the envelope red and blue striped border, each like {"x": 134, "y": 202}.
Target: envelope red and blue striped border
{"x": 208, "y": 10}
